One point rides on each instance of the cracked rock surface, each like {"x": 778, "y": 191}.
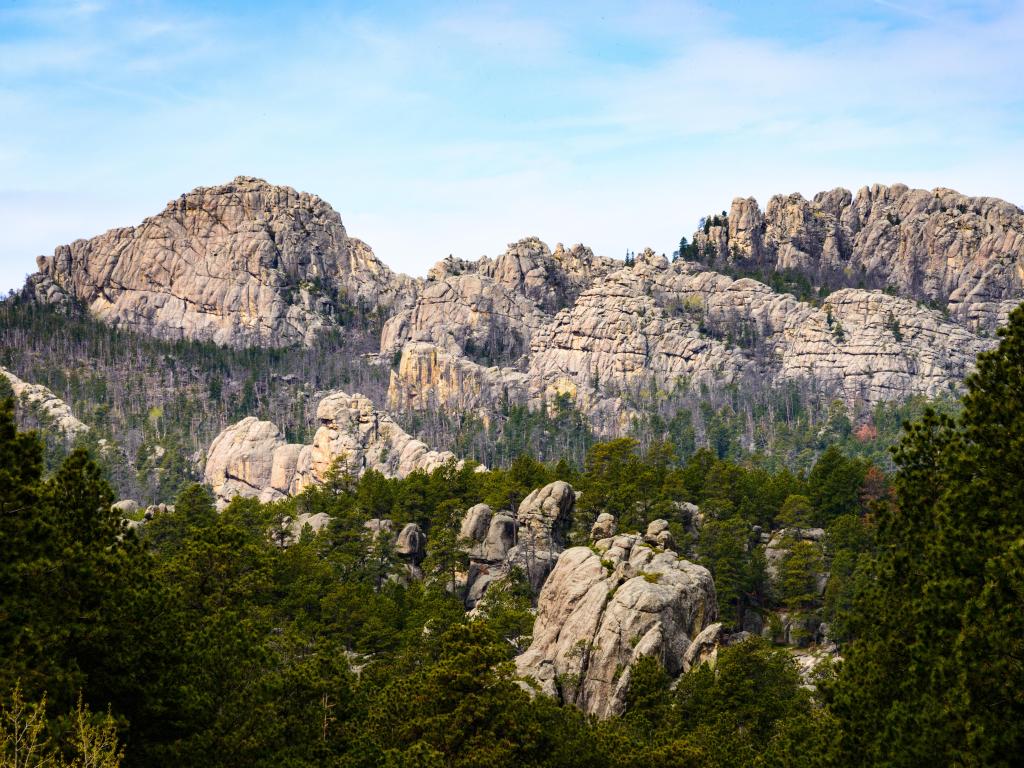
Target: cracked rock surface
{"x": 244, "y": 264}
{"x": 600, "y": 611}
{"x": 253, "y": 459}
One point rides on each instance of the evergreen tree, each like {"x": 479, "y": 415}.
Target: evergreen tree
{"x": 935, "y": 675}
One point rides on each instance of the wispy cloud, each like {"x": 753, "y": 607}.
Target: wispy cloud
{"x": 457, "y": 127}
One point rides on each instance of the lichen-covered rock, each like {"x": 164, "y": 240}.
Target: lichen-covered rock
{"x": 253, "y": 459}
{"x": 600, "y": 612}
{"x": 244, "y": 263}
{"x": 48, "y": 406}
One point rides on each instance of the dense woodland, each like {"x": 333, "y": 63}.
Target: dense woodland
{"x": 197, "y": 640}
{"x": 158, "y": 404}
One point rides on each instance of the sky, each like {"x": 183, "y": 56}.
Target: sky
{"x": 439, "y": 128}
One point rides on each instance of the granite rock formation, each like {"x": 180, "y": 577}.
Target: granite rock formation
{"x": 253, "y": 459}
{"x": 936, "y": 246}
{"x": 244, "y": 263}
{"x": 48, "y": 406}
{"x": 531, "y": 540}
{"x": 601, "y": 611}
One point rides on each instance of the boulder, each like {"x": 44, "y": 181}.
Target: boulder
{"x": 704, "y": 648}
{"x": 125, "y": 507}
{"x": 411, "y": 544}
{"x": 599, "y": 612}
{"x": 604, "y": 526}
{"x": 658, "y": 535}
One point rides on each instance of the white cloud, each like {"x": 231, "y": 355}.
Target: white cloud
{"x": 461, "y": 129}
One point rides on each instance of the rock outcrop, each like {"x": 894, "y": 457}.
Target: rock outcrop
{"x": 930, "y": 245}
{"x": 430, "y": 377}
{"x": 244, "y": 263}
{"x": 49, "y": 408}
{"x": 253, "y": 459}
{"x": 531, "y": 540}
{"x": 250, "y": 263}
{"x": 600, "y": 611}
{"x": 487, "y": 310}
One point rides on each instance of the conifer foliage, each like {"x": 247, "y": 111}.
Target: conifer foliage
{"x": 936, "y": 675}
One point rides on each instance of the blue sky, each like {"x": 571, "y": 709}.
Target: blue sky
{"x": 437, "y": 128}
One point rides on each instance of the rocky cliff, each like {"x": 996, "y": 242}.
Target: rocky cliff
{"x": 936, "y": 246}
{"x": 659, "y": 325}
{"x": 250, "y": 263}
{"x": 602, "y": 609}
{"x": 253, "y": 459}
{"x": 244, "y": 263}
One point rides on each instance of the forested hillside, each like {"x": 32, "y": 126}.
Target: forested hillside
{"x": 158, "y": 404}
{"x": 215, "y": 639}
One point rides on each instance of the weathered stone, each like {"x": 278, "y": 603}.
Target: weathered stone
{"x": 604, "y": 526}
{"x": 252, "y": 458}
{"x": 47, "y": 405}
{"x": 244, "y": 263}
{"x": 125, "y": 507}
{"x": 411, "y": 544}
{"x": 594, "y": 622}
{"x": 704, "y": 648}
{"x": 938, "y": 245}
{"x": 658, "y": 535}
{"x": 291, "y": 530}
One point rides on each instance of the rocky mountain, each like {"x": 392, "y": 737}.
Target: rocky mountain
{"x": 938, "y": 246}
{"x": 877, "y": 297}
{"x": 243, "y": 263}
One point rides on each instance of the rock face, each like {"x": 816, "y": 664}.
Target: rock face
{"x": 934, "y": 246}
{"x": 487, "y": 310}
{"x": 531, "y": 540}
{"x": 253, "y": 459}
{"x": 431, "y": 377}
{"x": 50, "y": 407}
{"x": 656, "y": 325}
{"x": 244, "y": 263}
{"x": 250, "y": 263}
{"x": 600, "y": 612}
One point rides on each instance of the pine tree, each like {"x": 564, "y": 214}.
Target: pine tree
{"x": 935, "y": 674}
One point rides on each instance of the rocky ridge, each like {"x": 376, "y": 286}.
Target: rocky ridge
{"x": 251, "y": 263}
{"x": 663, "y": 325}
{"x": 253, "y": 459}
{"x": 53, "y": 410}
{"x": 244, "y": 264}
{"x": 937, "y": 246}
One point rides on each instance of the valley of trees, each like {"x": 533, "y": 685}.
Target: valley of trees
{"x": 158, "y": 404}
{"x": 197, "y": 640}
